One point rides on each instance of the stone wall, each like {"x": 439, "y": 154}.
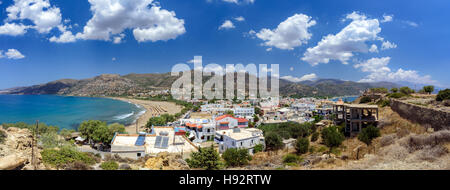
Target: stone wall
{"x": 438, "y": 120}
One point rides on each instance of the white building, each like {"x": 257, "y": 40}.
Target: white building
{"x": 244, "y": 112}
{"x": 239, "y": 138}
{"x": 161, "y": 139}
{"x": 225, "y": 122}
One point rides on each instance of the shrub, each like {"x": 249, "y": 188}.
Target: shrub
{"x": 60, "y": 158}
{"x": 443, "y": 95}
{"x": 273, "y": 141}
{"x": 205, "y": 158}
{"x": 109, "y": 165}
{"x": 383, "y": 103}
{"x": 124, "y": 167}
{"x": 332, "y": 137}
{"x": 314, "y": 136}
{"x": 387, "y": 140}
{"x": 78, "y": 165}
{"x": 302, "y": 145}
{"x": 2, "y": 136}
{"x": 368, "y": 134}
{"x": 379, "y": 90}
{"x": 365, "y": 99}
{"x": 258, "y": 148}
{"x": 236, "y": 157}
{"x": 406, "y": 90}
{"x": 291, "y": 159}
{"x": 397, "y": 95}
{"x": 394, "y": 90}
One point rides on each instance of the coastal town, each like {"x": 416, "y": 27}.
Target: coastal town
{"x": 264, "y": 133}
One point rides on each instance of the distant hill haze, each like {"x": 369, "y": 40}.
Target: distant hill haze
{"x": 113, "y": 84}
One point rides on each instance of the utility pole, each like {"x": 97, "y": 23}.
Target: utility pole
{"x": 137, "y": 124}
{"x": 33, "y": 144}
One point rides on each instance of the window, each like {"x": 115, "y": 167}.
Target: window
{"x": 138, "y": 154}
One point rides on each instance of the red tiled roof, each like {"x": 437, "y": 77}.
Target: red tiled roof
{"x": 242, "y": 120}
{"x": 222, "y": 117}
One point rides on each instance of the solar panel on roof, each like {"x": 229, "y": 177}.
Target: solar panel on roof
{"x": 158, "y": 142}
{"x": 140, "y": 140}
{"x": 165, "y": 142}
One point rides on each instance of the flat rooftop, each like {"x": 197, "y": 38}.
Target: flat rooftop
{"x": 243, "y": 134}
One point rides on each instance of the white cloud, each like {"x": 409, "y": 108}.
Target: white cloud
{"x": 147, "y": 20}
{"x": 388, "y": 45}
{"x": 239, "y": 19}
{"x": 113, "y": 59}
{"x": 65, "y": 37}
{"x": 379, "y": 71}
{"x": 44, "y": 16}
{"x": 239, "y": 1}
{"x": 411, "y": 23}
{"x": 291, "y": 68}
{"x": 227, "y": 25}
{"x": 342, "y": 45}
{"x": 291, "y": 33}
{"x": 373, "y": 48}
{"x": 118, "y": 39}
{"x": 12, "y": 54}
{"x": 307, "y": 77}
{"x": 387, "y": 18}
{"x": 13, "y": 29}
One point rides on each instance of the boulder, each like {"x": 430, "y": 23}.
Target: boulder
{"x": 11, "y": 162}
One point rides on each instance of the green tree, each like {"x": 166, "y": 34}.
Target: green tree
{"x": 236, "y": 157}
{"x": 302, "y": 145}
{"x": 229, "y": 112}
{"x": 332, "y": 137}
{"x": 365, "y": 99}
{"x": 255, "y": 118}
{"x": 443, "y": 95}
{"x": 102, "y": 134}
{"x": 66, "y": 133}
{"x": 205, "y": 158}
{"x": 258, "y": 111}
{"x": 116, "y": 128}
{"x": 87, "y": 128}
{"x": 428, "y": 89}
{"x": 109, "y": 165}
{"x": 394, "y": 90}
{"x": 273, "y": 141}
{"x": 368, "y": 134}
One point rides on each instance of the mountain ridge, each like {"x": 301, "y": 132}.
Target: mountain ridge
{"x": 114, "y": 84}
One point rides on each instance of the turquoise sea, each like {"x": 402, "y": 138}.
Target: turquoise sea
{"x": 345, "y": 99}
{"x": 65, "y": 111}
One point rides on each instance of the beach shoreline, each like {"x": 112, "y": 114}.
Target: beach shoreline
{"x": 152, "y": 109}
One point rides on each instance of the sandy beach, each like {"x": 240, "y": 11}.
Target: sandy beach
{"x": 153, "y": 109}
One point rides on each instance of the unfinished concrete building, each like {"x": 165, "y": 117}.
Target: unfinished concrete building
{"x": 355, "y": 117}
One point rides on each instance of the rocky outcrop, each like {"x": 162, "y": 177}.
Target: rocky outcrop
{"x": 166, "y": 161}
{"x": 16, "y": 150}
{"x": 437, "y": 119}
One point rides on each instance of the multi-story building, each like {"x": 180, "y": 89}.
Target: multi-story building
{"x": 239, "y": 138}
{"x": 225, "y": 122}
{"x": 355, "y": 117}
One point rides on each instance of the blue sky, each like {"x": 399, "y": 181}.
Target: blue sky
{"x": 308, "y": 39}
